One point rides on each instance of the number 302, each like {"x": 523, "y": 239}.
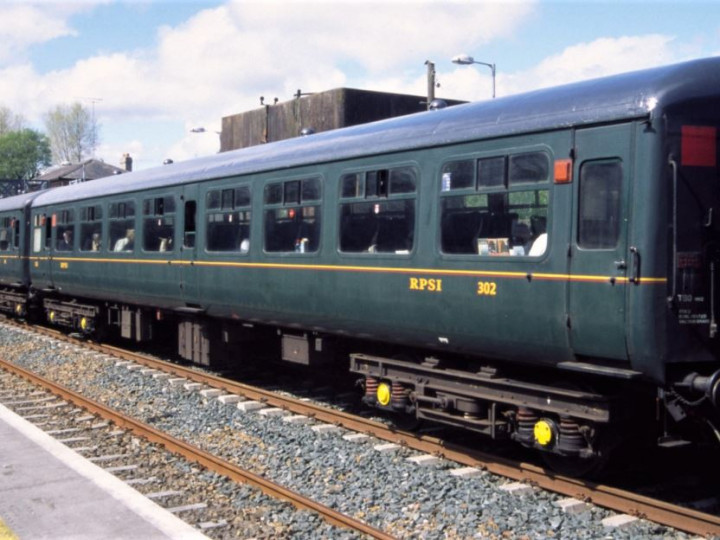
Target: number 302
{"x": 486, "y": 288}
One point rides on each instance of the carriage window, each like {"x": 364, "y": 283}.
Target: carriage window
{"x": 402, "y": 180}
{"x": 6, "y": 233}
{"x": 229, "y": 229}
{"x": 292, "y": 221}
{"x": 529, "y": 168}
{"x": 458, "y": 175}
{"x": 491, "y": 172}
{"x": 16, "y": 229}
{"x": 227, "y": 199}
{"x": 159, "y": 224}
{"x": 292, "y": 192}
{"x": 38, "y": 227}
{"x": 121, "y": 221}
{"x": 91, "y": 228}
{"x": 369, "y": 225}
{"x": 510, "y": 223}
{"x": 64, "y": 222}
{"x": 376, "y": 183}
{"x": 498, "y": 219}
{"x": 352, "y": 185}
{"x": 599, "y": 206}
{"x": 311, "y": 189}
{"x": 274, "y": 193}
{"x": 48, "y": 224}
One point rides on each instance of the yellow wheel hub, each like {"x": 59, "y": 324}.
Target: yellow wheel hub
{"x": 543, "y": 432}
{"x": 383, "y": 394}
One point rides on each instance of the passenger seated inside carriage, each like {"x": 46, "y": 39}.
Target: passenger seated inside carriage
{"x": 127, "y": 242}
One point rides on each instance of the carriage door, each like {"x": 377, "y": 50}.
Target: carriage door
{"x": 40, "y": 250}
{"x": 188, "y": 245}
{"x": 600, "y": 259}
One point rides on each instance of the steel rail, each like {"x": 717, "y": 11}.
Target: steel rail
{"x": 197, "y": 455}
{"x": 620, "y": 500}
{"x": 661, "y": 512}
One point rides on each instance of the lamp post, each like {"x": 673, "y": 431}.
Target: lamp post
{"x": 464, "y": 59}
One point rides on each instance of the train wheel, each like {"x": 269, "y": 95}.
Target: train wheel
{"x": 405, "y": 421}
{"x": 576, "y": 467}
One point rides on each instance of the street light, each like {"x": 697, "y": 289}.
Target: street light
{"x": 464, "y": 59}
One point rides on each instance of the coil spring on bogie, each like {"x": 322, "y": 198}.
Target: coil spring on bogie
{"x": 371, "y": 386}
{"x": 399, "y": 396}
{"x": 571, "y": 440}
{"x": 526, "y": 419}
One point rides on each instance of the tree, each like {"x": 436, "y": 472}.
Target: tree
{"x": 9, "y": 121}
{"x": 73, "y": 132}
{"x": 23, "y": 153}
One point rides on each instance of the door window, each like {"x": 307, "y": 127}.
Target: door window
{"x": 599, "y": 211}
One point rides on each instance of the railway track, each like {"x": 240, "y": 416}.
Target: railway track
{"x": 196, "y": 455}
{"x": 661, "y": 512}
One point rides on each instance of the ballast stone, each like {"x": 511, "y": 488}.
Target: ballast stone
{"x": 355, "y": 437}
{"x": 466, "y": 472}
{"x": 323, "y": 429}
{"x": 517, "y": 488}
{"x": 426, "y": 460}
{"x": 247, "y": 406}
{"x": 273, "y": 411}
{"x": 229, "y": 398}
{"x": 571, "y": 505}
{"x": 387, "y": 447}
{"x": 297, "y": 419}
{"x": 619, "y": 521}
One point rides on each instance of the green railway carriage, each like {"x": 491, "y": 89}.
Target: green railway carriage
{"x": 541, "y": 266}
{"x": 14, "y": 270}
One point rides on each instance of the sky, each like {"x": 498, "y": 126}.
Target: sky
{"x": 152, "y": 71}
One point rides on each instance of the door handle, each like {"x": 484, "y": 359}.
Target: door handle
{"x": 635, "y": 274}
{"x": 621, "y": 265}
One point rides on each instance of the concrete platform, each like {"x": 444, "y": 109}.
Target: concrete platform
{"x": 47, "y": 491}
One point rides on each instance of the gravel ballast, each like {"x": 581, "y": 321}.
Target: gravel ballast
{"x": 383, "y": 489}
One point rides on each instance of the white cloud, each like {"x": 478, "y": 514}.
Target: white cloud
{"x": 222, "y": 59}
{"x": 605, "y": 56}
{"x": 24, "y": 24}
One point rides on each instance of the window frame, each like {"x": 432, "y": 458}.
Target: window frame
{"x": 117, "y": 213}
{"x": 374, "y": 188}
{"x": 243, "y": 208}
{"x": 63, "y": 219}
{"x": 299, "y": 209}
{"x": 507, "y": 188}
{"x": 581, "y": 204}
{"x": 156, "y": 207}
{"x": 92, "y": 215}
{"x": 8, "y": 228}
